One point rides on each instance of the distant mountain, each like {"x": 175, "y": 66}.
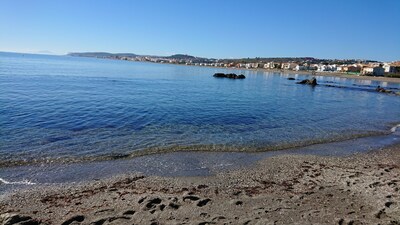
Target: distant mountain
{"x": 181, "y": 56}
{"x": 125, "y": 54}
{"x": 184, "y": 58}
{"x": 101, "y": 54}
{"x": 91, "y": 54}
{"x": 131, "y": 55}
{"x": 46, "y": 52}
{"x": 118, "y": 55}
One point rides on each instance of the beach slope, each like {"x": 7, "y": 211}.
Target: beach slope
{"x": 287, "y": 189}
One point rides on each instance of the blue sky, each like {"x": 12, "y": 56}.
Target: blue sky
{"x": 209, "y": 28}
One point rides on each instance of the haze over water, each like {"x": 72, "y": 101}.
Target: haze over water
{"x": 59, "y": 108}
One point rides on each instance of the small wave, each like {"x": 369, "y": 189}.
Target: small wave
{"x": 23, "y": 182}
{"x": 224, "y": 165}
{"x": 190, "y": 148}
{"x": 393, "y": 129}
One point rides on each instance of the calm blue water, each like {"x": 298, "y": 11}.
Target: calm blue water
{"x": 59, "y": 108}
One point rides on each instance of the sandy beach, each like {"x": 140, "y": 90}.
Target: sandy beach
{"x": 165, "y": 113}
{"x": 287, "y": 189}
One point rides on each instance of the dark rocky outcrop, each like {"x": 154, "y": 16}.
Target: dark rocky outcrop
{"x": 291, "y": 78}
{"x": 219, "y": 75}
{"x": 229, "y": 75}
{"x": 311, "y": 81}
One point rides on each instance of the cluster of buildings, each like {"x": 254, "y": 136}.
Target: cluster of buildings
{"x": 371, "y": 68}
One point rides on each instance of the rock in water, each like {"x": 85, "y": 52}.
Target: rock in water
{"x": 311, "y": 81}
{"x": 229, "y": 75}
{"x": 219, "y": 75}
{"x": 383, "y": 90}
{"x": 303, "y": 81}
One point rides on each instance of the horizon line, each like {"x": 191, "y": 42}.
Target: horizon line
{"x": 115, "y": 53}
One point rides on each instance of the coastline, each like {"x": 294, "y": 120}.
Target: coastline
{"x": 347, "y": 184}
{"x": 341, "y": 75}
{"x": 327, "y": 74}
{"x": 202, "y": 148}
{"x": 302, "y": 189}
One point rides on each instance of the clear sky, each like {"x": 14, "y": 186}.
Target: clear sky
{"x": 210, "y": 28}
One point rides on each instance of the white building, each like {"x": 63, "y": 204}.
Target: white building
{"x": 301, "y": 67}
{"x": 322, "y": 68}
{"x": 374, "y": 71}
{"x": 289, "y": 66}
{"x": 391, "y": 68}
{"x": 269, "y": 65}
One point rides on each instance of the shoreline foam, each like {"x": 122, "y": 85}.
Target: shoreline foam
{"x": 23, "y": 182}
{"x": 194, "y": 148}
{"x": 182, "y": 163}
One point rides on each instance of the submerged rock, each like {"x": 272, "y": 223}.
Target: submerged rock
{"x": 291, "y": 78}
{"x": 383, "y": 90}
{"x": 311, "y": 81}
{"x": 229, "y": 75}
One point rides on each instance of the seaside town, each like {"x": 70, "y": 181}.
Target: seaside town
{"x": 257, "y": 112}
{"x": 346, "y": 66}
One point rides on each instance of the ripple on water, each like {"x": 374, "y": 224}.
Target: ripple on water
{"x": 92, "y": 109}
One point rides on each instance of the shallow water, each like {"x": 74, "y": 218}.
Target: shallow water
{"x": 176, "y": 163}
{"x": 58, "y": 107}
{"x": 69, "y": 109}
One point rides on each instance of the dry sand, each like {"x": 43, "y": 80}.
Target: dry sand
{"x": 287, "y": 189}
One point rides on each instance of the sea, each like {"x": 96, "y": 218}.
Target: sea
{"x": 68, "y": 119}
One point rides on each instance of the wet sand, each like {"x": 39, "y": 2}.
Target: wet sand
{"x": 285, "y": 189}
